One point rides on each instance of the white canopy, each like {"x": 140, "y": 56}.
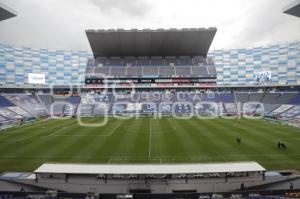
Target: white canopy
{"x": 57, "y": 168}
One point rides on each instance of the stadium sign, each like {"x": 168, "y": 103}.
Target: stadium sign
{"x": 36, "y": 78}
{"x": 263, "y": 76}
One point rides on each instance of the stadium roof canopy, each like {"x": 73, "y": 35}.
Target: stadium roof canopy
{"x": 6, "y": 12}
{"x": 293, "y": 9}
{"x": 161, "y": 42}
{"x": 229, "y": 167}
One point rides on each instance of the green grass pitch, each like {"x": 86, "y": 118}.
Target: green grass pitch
{"x": 149, "y": 140}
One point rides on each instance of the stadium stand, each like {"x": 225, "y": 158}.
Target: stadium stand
{"x": 211, "y": 70}
{"x": 143, "y": 61}
{"x": 285, "y": 98}
{"x": 199, "y": 71}
{"x": 249, "y": 109}
{"x": 138, "y": 61}
{"x": 227, "y": 97}
{"x": 167, "y": 71}
{"x": 142, "y": 194}
{"x": 118, "y": 72}
{"x": 185, "y": 61}
{"x": 230, "y": 108}
{"x": 257, "y": 97}
{"x": 228, "y": 62}
{"x": 4, "y": 102}
{"x": 242, "y": 97}
{"x": 73, "y": 99}
{"x": 12, "y": 112}
{"x": 115, "y": 61}
{"x": 183, "y": 71}
{"x": 157, "y": 61}
{"x": 134, "y": 72}
{"x": 275, "y": 104}
{"x": 212, "y": 66}
{"x": 9, "y": 114}
{"x": 22, "y": 112}
{"x": 295, "y": 100}
{"x": 46, "y": 99}
{"x": 85, "y": 109}
{"x": 70, "y": 108}
{"x": 227, "y": 102}
{"x": 150, "y": 71}
{"x": 3, "y": 120}
{"x": 268, "y": 108}
{"x": 281, "y": 109}
{"x": 211, "y": 97}
{"x": 294, "y": 111}
{"x": 103, "y": 71}
{"x": 58, "y": 106}
{"x": 172, "y": 61}
{"x": 29, "y": 103}
{"x": 270, "y": 98}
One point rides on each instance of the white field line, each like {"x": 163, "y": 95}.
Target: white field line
{"x": 84, "y": 135}
{"x": 149, "y": 155}
{"x": 54, "y": 132}
{"x": 23, "y": 139}
{"x": 58, "y": 130}
{"x": 19, "y": 140}
{"x": 113, "y": 130}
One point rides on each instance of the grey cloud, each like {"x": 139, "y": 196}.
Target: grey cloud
{"x": 267, "y": 24}
{"x": 137, "y": 8}
{"x": 60, "y": 24}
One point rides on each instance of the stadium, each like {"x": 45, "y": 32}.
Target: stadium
{"x": 150, "y": 113}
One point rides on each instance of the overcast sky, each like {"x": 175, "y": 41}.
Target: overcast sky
{"x": 60, "y": 24}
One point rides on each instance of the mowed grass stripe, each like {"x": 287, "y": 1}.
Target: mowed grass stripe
{"x": 31, "y": 146}
{"x": 51, "y": 146}
{"x": 132, "y": 143}
{"x": 34, "y": 139}
{"x": 24, "y": 132}
{"x": 269, "y": 140}
{"x": 157, "y": 130}
{"x": 113, "y": 145}
{"x": 258, "y": 134}
{"x": 251, "y": 141}
{"x": 215, "y": 138}
{"x": 172, "y": 143}
{"x": 90, "y": 145}
{"x": 188, "y": 136}
{"x": 127, "y": 141}
{"x": 206, "y": 131}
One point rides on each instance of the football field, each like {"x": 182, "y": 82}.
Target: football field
{"x": 149, "y": 140}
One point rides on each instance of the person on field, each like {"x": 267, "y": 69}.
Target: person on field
{"x": 283, "y": 146}
{"x": 279, "y": 145}
{"x": 238, "y": 140}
